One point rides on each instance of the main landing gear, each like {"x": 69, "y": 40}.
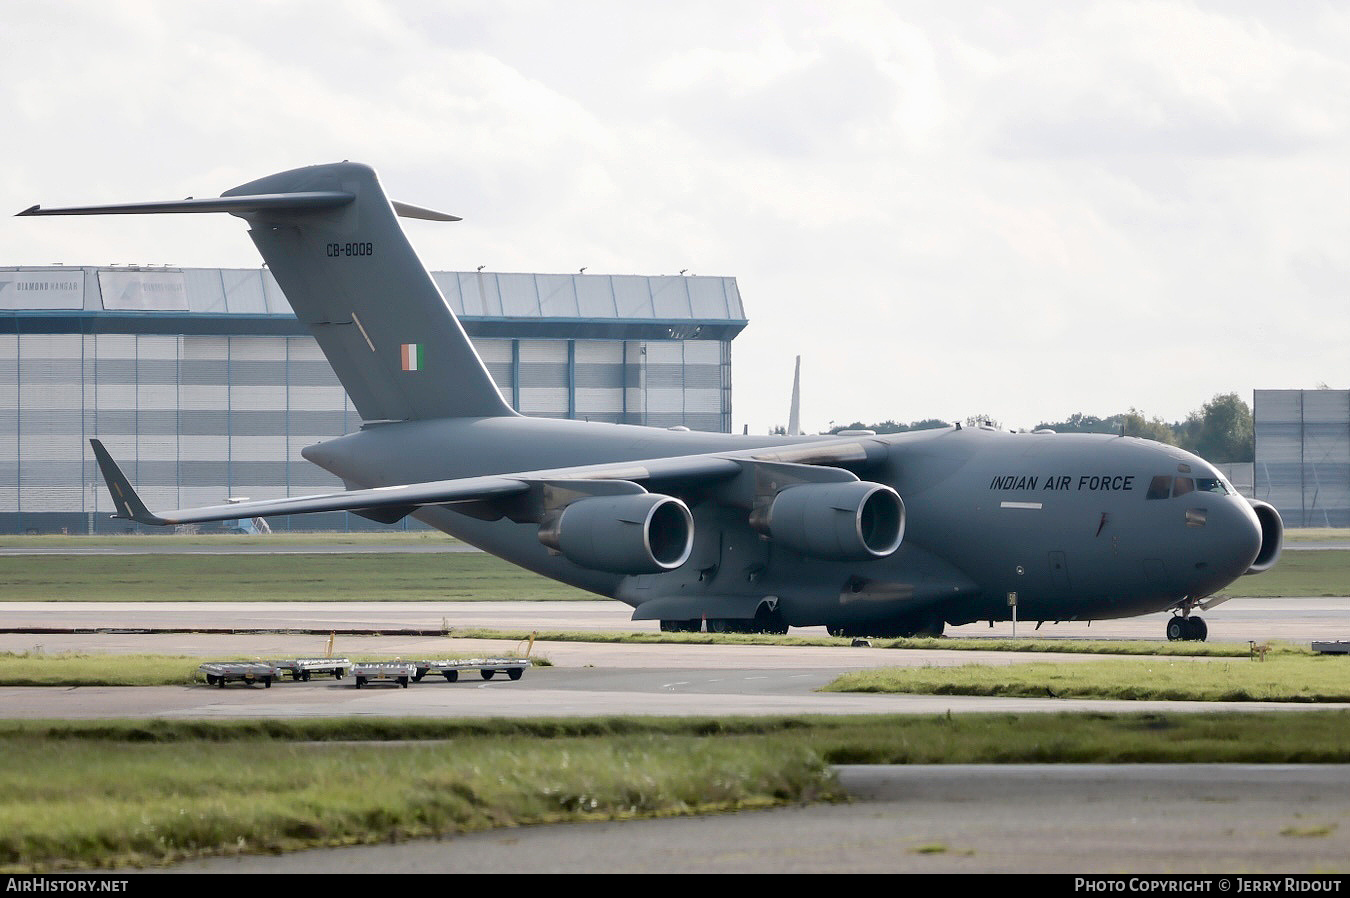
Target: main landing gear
{"x": 766, "y": 620}
{"x": 1184, "y": 628}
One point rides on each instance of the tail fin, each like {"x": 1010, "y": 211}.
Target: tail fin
{"x": 329, "y": 236}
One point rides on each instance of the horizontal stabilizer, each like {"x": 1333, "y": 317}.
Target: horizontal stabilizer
{"x": 408, "y": 210}
{"x": 331, "y": 239}
{"x": 306, "y": 201}
{"x": 129, "y": 505}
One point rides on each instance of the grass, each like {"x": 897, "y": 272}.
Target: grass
{"x": 68, "y": 669}
{"x": 104, "y": 794}
{"x": 459, "y": 576}
{"x": 79, "y": 802}
{"x": 1299, "y": 575}
{"x": 1282, "y": 678}
{"x": 440, "y": 577}
{"x": 1072, "y": 646}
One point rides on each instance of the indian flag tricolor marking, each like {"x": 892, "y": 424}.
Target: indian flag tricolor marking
{"x": 413, "y": 359}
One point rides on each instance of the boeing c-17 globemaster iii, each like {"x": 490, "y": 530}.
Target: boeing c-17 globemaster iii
{"x": 867, "y": 535}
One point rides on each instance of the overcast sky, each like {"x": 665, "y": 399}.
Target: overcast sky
{"x": 1021, "y": 209}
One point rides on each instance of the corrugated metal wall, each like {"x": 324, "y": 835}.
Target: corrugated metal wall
{"x": 1303, "y": 455}
{"x": 196, "y": 419}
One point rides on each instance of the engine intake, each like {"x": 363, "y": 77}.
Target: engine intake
{"x": 1272, "y": 536}
{"x": 645, "y": 533}
{"x": 854, "y": 521}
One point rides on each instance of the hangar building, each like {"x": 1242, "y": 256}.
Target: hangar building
{"x": 203, "y": 384}
{"x": 1302, "y": 462}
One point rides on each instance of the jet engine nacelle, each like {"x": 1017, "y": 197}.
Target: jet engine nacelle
{"x": 854, "y": 521}
{"x": 1272, "y": 536}
{"x": 633, "y": 534}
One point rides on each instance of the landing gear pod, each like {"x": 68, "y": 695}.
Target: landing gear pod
{"x": 634, "y": 534}
{"x": 854, "y": 521}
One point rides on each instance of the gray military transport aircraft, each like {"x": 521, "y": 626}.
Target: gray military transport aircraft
{"x": 867, "y": 535}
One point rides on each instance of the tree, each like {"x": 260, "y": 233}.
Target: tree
{"x": 1133, "y": 424}
{"x": 1222, "y": 430}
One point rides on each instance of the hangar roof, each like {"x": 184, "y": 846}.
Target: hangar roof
{"x": 248, "y": 300}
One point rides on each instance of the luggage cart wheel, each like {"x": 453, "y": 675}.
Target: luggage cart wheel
{"x": 360, "y": 681}
{"x": 488, "y": 674}
{"x": 515, "y": 673}
{"x": 403, "y": 681}
{"x": 451, "y": 676}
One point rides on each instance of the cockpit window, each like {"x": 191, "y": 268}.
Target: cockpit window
{"x": 1165, "y": 485}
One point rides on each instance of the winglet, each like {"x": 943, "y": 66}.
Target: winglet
{"x": 129, "y": 505}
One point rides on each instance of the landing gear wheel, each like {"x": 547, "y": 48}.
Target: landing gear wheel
{"x": 930, "y": 627}
{"x": 768, "y": 621}
{"x": 1176, "y": 629}
{"x": 1196, "y": 629}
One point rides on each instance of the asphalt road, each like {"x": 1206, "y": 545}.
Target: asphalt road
{"x": 1061, "y": 818}
{"x": 1237, "y": 620}
{"x": 1127, "y": 819}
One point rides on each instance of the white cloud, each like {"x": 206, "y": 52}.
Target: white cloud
{"x": 945, "y": 208}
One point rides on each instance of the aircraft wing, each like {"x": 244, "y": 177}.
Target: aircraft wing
{"x": 619, "y": 477}
{"x": 130, "y": 507}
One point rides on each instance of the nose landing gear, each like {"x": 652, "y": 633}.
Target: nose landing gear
{"x": 1185, "y": 628}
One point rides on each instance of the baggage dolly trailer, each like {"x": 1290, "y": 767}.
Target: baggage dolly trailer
{"x": 400, "y": 672}
{"x": 304, "y": 668}
{"x": 486, "y": 667}
{"x": 218, "y": 673}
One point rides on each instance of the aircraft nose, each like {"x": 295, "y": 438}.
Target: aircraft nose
{"x": 1236, "y": 535}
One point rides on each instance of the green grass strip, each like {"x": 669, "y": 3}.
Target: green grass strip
{"x": 68, "y": 669}
{"x": 1072, "y": 646}
{"x": 101, "y": 794}
{"x": 364, "y": 577}
{"x": 74, "y": 804}
{"x": 1305, "y": 574}
{"x": 1284, "y": 678}
{"x": 436, "y": 576}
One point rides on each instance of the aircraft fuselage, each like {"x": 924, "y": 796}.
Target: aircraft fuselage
{"x": 1064, "y": 521}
